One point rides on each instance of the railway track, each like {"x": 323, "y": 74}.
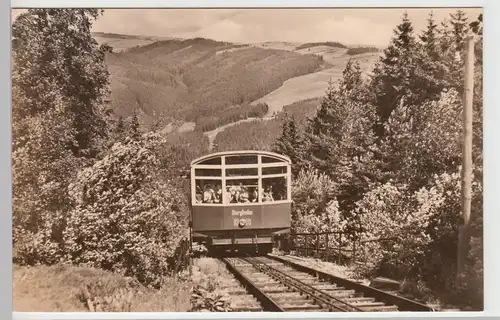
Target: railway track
{"x": 270, "y": 284}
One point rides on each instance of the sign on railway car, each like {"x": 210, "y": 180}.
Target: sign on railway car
{"x": 242, "y": 222}
{"x": 242, "y": 213}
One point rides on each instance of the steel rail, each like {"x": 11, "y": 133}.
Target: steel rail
{"x": 268, "y": 304}
{"x": 305, "y": 288}
{"x": 402, "y": 303}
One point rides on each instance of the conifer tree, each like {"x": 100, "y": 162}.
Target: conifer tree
{"x": 459, "y": 23}
{"x": 393, "y": 74}
{"x": 452, "y": 38}
{"x": 134, "y": 127}
{"x": 121, "y": 129}
{"x": 429, "y": 38}
{"x": 290, "y": 143}
{"x": 350, "y": 86}
{"x": 340, "y": 139}
{"x": 429, "y": 79}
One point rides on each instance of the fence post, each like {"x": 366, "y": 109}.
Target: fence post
{"x": 354, "y": 251}
{"x": 286, "y": 243}
{"x": 326, "y": 247}
{"x": 340, "y": 250}
{"x": 305, "y": 243}
{"x": 317, "y": 244}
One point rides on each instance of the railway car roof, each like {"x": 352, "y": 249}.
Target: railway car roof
{"x": 241, "y": 152}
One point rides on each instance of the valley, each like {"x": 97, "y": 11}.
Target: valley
{"x": 201, "y": 84}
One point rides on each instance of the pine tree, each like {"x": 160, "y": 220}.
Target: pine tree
{"x": 134, "y": 127}
{"x": 393, "y": 75}
{"x": 290, "y": 143}
{"x": 351, "y": 86}
{"x": 453, "y": 33}
{"x": 321, "y": 123}
{"x": 340, "y": 139}
{"x": 120, "y": 129}
{"x": 159, "y": 120}
{"x": 429, "y": 79}
{"x": 351, "y": 78}
{"x": 460, "y": 29}
{"x": 429, "y": 38}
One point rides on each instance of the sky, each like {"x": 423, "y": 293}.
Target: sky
{"x": 348, "y": 26}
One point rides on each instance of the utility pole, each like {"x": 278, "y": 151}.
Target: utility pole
{"x": 463, "y": 237}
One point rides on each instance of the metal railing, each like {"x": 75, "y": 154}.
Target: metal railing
{"x": 333, "y": 246}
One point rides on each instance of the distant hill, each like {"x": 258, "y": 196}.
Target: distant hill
{"x": 317, "y": 44}
{"x": 198, "y": 79}
{"x": 121, "y": 42}
{"x": 121, "y": 36}
{"x": 361, "y": 49}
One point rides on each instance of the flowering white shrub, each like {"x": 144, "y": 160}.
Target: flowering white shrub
{"x": 59, "y": 122}
{"x": 423, "y": 226}
{"x": 384, "y": 214}
{"x": 312, "y": 192}
{"x": 125, "y": 219}
{"x": 445, "y": 217}
{"x": 315, "y": 208}
{"x": 325, "y": 221}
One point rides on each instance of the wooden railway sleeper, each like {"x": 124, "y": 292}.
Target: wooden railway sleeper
{"x": 267, "y": 302}
{"x": 315, "y": 294}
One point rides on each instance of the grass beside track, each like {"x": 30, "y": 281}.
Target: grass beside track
{"x": 58, "y": 289}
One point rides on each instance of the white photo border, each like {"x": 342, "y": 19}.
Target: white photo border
{"x": 492, "y": 155}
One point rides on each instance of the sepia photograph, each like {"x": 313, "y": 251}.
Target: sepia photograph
{"x": 247, "y": 159}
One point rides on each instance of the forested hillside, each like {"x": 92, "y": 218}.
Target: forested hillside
{"x": 198, "y": 80}
{"x": 262, "y": 135}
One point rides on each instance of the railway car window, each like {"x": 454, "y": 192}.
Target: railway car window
{"x": 274, "y": 189}
{"x": 208, "y": 191}
{"x": 213, "y": 161}
{"x": 242, "y": 191}
{"x": 274, "y": 170}
{"x": 244, "y": 159}
{"x": 242, "y": 172}
{"x": 208, "y": 172}
{"x": 270, "y": 160}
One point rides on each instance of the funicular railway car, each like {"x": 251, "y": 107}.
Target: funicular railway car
{"x": 240, "y": 199}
